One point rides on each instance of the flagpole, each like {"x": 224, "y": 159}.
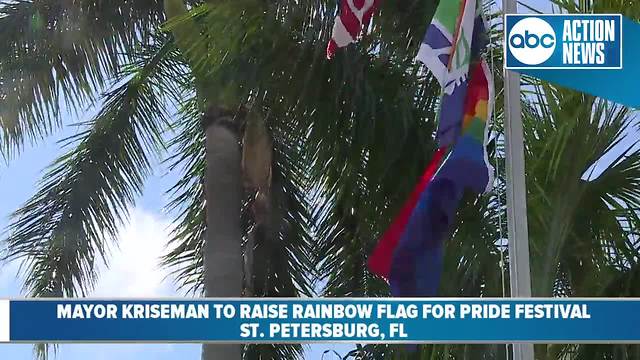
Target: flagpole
{"x": 519, "y": 270}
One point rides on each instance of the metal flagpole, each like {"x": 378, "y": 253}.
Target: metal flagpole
{"x": 519, "y": 271}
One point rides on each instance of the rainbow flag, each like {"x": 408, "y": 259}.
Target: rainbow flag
{"x": 468, "y": 163}
{"x": 410, "y": 252}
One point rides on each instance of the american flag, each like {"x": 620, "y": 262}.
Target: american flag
{"x": 353, "y": 18}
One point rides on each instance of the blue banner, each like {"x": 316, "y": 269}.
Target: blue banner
{"x": 322, "y": 320}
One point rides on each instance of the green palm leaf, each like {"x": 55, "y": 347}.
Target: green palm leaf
{"x": 54, "y": 52}
{"x": 68, "y": 224}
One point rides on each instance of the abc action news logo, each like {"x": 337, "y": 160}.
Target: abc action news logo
{"x": 580, "y": 41}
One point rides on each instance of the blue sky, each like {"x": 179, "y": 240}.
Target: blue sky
{"x": 133, "y": 271}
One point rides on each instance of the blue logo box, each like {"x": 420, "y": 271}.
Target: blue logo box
{"x": 562, "y": 41}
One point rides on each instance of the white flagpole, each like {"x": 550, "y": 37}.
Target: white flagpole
{"x": 519, "y": 270}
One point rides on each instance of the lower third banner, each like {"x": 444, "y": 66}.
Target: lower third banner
{"x": 322, "y": 320}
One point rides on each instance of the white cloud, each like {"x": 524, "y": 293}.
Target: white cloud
{"x": 134, "y": 269}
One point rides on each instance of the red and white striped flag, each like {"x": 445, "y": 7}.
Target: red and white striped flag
{"x": 353, "y": 18}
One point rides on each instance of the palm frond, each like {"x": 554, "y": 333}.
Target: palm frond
{"x": 274, "y": 351}
{"x": 286, "y": 266}
{"x": 62, "y": 52}
{"x": 86, "y": 193}
{"x": 357, "y": 172}
{"x": 577, "y": 215}
{"x": 630, "y": 9}
{"x": 187, "y": 238}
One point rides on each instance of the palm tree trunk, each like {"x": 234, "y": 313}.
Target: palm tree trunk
{"x": 222, "y": 249}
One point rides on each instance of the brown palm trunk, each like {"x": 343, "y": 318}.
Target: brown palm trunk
{"x": 222, "y": 249}
{"x": 223, "y": 185}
